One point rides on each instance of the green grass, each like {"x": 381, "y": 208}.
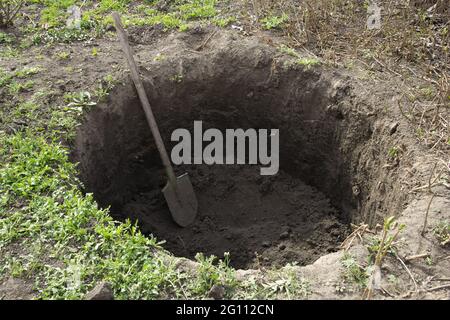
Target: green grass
{"x": 210, "y": 274}
{"x": 274, "y": 22}
{"x": 6, "y": 38}
{"x": 60, "y": 230}
{"x": 96, "y": 19}
{"x": 354, "y": 273}
{"x": 197, "y": 9}
{"x": 308, "y": 62}
{"x": 289, "y": 51}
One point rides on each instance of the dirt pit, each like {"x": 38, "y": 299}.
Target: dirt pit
{"x": 298, "y": 215}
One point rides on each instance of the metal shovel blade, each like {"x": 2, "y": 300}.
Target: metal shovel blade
{"x": 181, "y": 200}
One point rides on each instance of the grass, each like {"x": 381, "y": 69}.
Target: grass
{"x": 96, "y": 19}
{"x": 379, "y": 248}
{"x": 306, "y": 62}
{"x": 61, "y": 230}
{"x": 368, "y": 278}
{"x": 274, "y": 22}
{"x": 6, "y": 38}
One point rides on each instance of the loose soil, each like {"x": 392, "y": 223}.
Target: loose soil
{"x": 281, "y": 219}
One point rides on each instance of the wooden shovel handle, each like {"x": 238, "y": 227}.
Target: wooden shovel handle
{"x": 123, "y": 38}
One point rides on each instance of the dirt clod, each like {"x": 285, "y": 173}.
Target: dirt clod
{"x": 217, "y": 292}
{"x": 16, "y": 289}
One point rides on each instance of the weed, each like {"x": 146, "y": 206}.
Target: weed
{"x": 442, "y": 232}
{"x": 6, "y": 38}
{"x": 63, "y": 55}
{"x": 178, "y": 78}
{"x": 62, "y": 35}
{"x": 79, "y": 100}
{"x": 112, "y": 5}
{"x": 108, "y": 82}
{"x": 308, "y": 62}
{"x": 393, "y": 152}
{"x": 274, "y": 22}
{"x": 159, "y": 57}
{"x": 223, "y": 22}
{"x": 16, "y": 87}
{"x": 289, "y": 51}
{"x": 210, "y": 274}
{"x": 380, "y": 247}
{"x": 5, "y": 78}
{"x": 287, "y": 283}
{"x": 26, "y": 72}
{"x": 26, "y": 110}
{"x": 9, "y": 52}
{"x": 198, "y": 9}
{"x": 354, "y": 273}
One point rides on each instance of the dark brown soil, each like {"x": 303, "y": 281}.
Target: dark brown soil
{"x": 280, "y": 218}
{"x": 295, "y": 216}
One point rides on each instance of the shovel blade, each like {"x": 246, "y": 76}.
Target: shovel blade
{"x": 181, "y": 200}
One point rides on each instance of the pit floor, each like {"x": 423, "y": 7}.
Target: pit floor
{"x": 259, "y": 220}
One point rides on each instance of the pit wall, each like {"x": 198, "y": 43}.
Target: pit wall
{"x": 326, "y": 136}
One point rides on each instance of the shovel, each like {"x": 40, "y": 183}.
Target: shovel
{"x": 179, "y": 193}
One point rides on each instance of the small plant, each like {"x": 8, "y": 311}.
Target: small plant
{"x": 223, "y": 22}
{"x": 289, "y": 51}
{"x": 79, "y": 100}
{"x": 442, "y": 232}
{"x": 308, "y": 62}
{"x": 274, "y": 22}
{"x": 198, "y": 9}
{"x": 210, "y": 273}
{"x": 381, "y": 247}
{"x": 393, "y": 152}
{"x": 159, "y": 57}
{"x": 178, "y": 78}
{"x": 26, "y": 72}
{"x": 105, "y": 87}
{"x": 6, "y": 38}
{"x": 9, "y": 52}
{"x": 391, "y": 230}
{"x": 288, "y": 283}
{"x": 354, "y": 273}
{"x": 5, "y": 78}
{"x": 112, "y": 5}
{"x": 16, "y": 87}
{"x": 63, "y": 55}
{"x": 9, "y": 9}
